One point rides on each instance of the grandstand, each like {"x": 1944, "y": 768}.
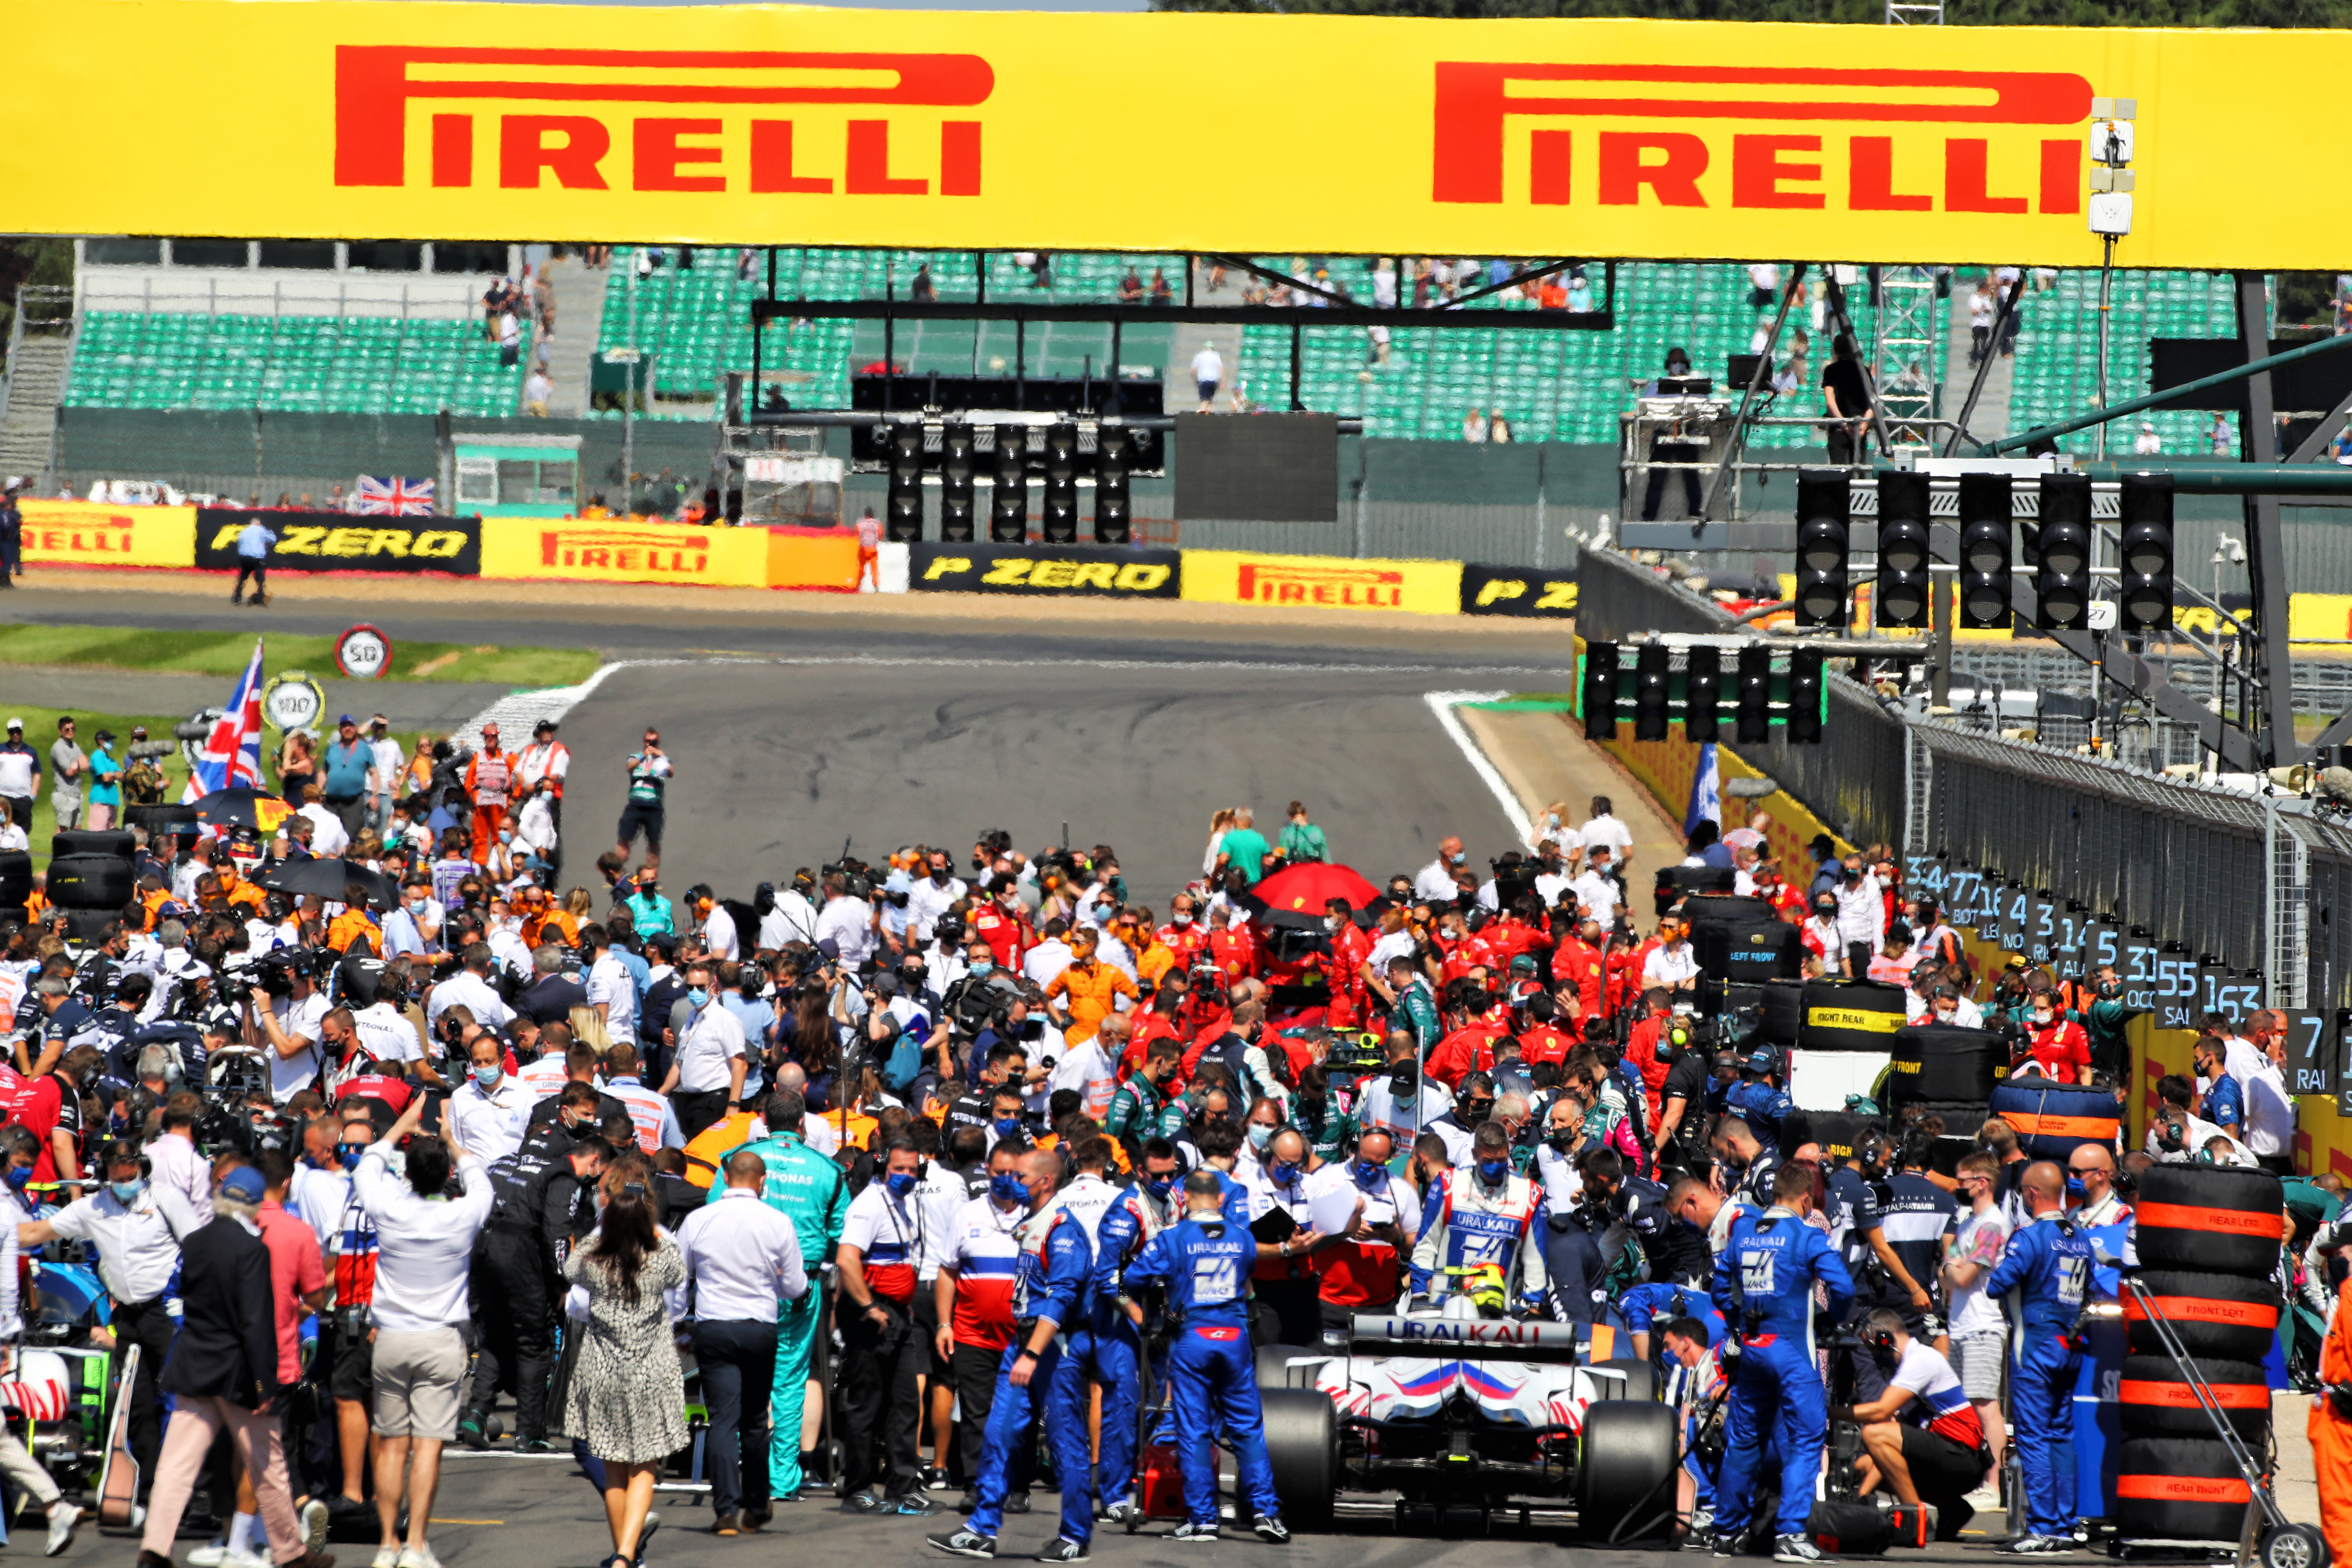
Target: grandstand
{"x": 298, "y": 363}
{"x": 689, "y": 311}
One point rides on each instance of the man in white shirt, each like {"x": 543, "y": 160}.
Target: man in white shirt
{"x": 290, "y": 1030}
{"x": 612, "y": 989}
{"x": 792, "y": 918}
{"x": 1603, "y": 828}
{"x": 719, "y": 937}
{"x": 1598, "y": 891}
{"x": 2270, "y": 1109}
{"x": 471, "y": 986}
{"x": 489, "y": 1114}
{"x": 1208, "y": 374}
{"x": 1672, "y": 965}
{"x": 413, "y": 927}
{"x": 1861, "y": 912}
{"x": 174, "y": 1164}
{"x": 931, "y": 895}
{"x": 424, "y": 1237}
{"x": 328, "y": 836}
{"x": 706, "y": 1077}
{"x": 1041, "y": 963}
{"x": 846, "y": 922}
{"x": 1435, "y": 880}
{"x": 743, "y": 1263}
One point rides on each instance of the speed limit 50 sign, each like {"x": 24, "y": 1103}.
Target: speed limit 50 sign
{"x": 364, "y": 653}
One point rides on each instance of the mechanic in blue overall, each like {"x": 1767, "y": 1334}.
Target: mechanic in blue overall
{"x": 1203, "y": 1262}
{"x": 1748, "y": 1163}
{"x": 2042, "y": 1276}
{"x": 1764, "y": 1287}
{"x": 1108, "y": 1345}
{"x": 1756, "y": 1101}
{"x": 1051, "y": 1285}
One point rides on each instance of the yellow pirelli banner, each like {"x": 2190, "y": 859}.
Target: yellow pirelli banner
{"x": 613, "y": 550}
{"x": 782, "y": 124}
{"x": 91, "y": 533}
{"x": 1322, "y": 582}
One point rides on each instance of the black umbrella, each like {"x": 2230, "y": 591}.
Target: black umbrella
{"x": 323, "y": 877}
{"x": 243, "y": 807}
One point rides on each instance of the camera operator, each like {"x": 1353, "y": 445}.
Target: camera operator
{"x": 472, "y": 986}
{"x": 847, "y": 920}
{"x": 1924, "y": 1439}
{"x": 2178, "y": 1133}
{"x": 284, "y": 1007}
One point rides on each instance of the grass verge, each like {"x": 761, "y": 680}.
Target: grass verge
{"x": 226, "y": 654}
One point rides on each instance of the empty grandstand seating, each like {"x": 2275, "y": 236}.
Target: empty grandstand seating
{"x": 361, "y": 364}
{"x": 2056, "y": 375}
{"x": 694, "y": 319}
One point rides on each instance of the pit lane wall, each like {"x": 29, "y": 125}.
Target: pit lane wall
{"x": 818, "y": 560}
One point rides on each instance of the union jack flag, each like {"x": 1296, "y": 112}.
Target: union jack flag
{"x": 231, "y": 755}
{"x": 393, "y": 497}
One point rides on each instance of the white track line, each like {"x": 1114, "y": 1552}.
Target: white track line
{"x": 1443, "y": 703}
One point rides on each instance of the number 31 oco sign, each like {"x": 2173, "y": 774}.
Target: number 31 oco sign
{"x": 364, "y": 653}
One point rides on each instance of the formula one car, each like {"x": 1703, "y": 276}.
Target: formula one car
{"x": 1452, "y": 1412}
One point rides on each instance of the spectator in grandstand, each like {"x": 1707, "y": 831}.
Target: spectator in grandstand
{"x": 536, "y": 390}
{"x": 542, "y": 302}
{"x": 2218, "y": 439}
{"x": 1162, "y": 293}
{"x": 1980, "y": 316}
{"x": 510, "y": 341}
{"x": 1579, "y": 294}
{"x": 1473, "y": 425}
{"x": 1499, "y": 429}
{"x": 1208, "y": 374}
{"x": 1846, "y": 392}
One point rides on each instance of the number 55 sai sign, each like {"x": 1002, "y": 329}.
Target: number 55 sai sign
{"x": 812, "y": 126}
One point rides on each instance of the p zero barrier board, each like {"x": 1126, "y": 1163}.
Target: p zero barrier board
{"x": 1519, "y": 591}
{"x": 808, "y": 126}
{"x": 340, "y": 542}
{"x": 1093, "y": 571}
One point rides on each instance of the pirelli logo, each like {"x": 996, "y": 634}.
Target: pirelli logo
{"x": 1342, "y": 587}
{"x": 627, "y": 551}
{"x": 1817, "y": 137}
{"x": 686, "y": 121}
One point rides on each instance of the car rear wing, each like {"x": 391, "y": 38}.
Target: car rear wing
{"x": 1466, "y": 1339}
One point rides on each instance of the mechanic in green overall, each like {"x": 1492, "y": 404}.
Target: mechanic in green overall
{"x": 808, "y": 1189}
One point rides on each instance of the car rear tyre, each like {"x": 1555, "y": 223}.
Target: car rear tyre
{"x": 1626, "y": 1477}
{"x": 1302, "y": 1448}
{"x": 1639, "y": 1381}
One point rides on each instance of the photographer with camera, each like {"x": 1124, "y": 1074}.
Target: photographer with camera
{"x": 284, "y": 1004}
{"x": 2177, "y": 1134}
{"x": 471, "y": 986}
{"x": 847, "y": 920}
{"x": 1923, "y": 1437}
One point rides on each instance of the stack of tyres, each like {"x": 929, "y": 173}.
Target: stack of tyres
{"x": 1944, "y": 1064}
{"x": 1851, "y": 1015}
{"x": 2207, "y": 1240}
{"x": 90, "y": 877}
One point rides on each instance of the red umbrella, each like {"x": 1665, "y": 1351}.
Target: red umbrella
{"x": 1304, "y": 888}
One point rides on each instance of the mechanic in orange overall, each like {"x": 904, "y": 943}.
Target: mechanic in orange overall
{"x": 2330, "y": 1427}
{"x": 486, "y": 778}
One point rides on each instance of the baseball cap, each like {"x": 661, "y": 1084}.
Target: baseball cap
{"x": 1759, "y": 1059}
{"x": 105, "y": 736}
{"x": 16, "y": 723}
{"x": 346, "y": 719}
{"x": 545, "y": 726}
{"x": 245, "y": 1186}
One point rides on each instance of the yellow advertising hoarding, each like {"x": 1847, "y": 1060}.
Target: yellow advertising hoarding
{"x": 620, "y": 550}
{"x": 792, "y": 125}
{"x": 1322, "y": 582}
{"x": 88, "y": 534}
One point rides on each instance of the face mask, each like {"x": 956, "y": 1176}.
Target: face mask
{"x": 1492, "y": 1172}
{"x": 1332, "y": 923}
{"x": 900, "y": 1183}
{"x": 1945, "y": 1015}
{"x": 2041, "y": 1016}
{"x": 2076, "y": 1191}
{"x": 488, "y": 1076}
{"x": 128, "y": 1192}
{"x": 1007, "y": 1187}
{"x": 347, "y": 1156}
{"x": 20, "y": 1177}
{"x": 1007, "y": 1127}
{"x": 984, "y": 967}
{"x": 1285, "y": 1171}
{"x": 1160, "y": 1186}
{"x": 1370, "y": 1176}
{"x": 699, "y": 997}
{"x": 416, "y": 904}
{"x": 1560, "y": 1138}
{"x": 1459, "y": 857}
{"x": 1260, "y": 1135}
{"x": 1477, "y": 1111}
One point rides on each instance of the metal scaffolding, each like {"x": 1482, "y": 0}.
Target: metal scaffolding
{"x": 1903, "y": 354}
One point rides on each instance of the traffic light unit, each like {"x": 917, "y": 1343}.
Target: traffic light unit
{"x": 1648, "y": 691}
{"x": 1903, "y": 549}
{"x": 2145, "y": 509}
{"x": 2062, "y": 578}
{"x": 1824, "y": 531}
{"x": 1985, "y": 530}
